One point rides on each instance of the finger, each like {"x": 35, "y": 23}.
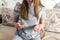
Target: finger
{"x": 16, "y": 26}
{"x": 42, "y": 30}
{"x": 35, "y": 30}
{"x": 21, "y": 26}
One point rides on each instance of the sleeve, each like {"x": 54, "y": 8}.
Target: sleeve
{"x": 42, "y": 14}
{"x": 16, "y": 11}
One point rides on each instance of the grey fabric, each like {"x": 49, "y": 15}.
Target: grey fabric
{"x": 23, "y": 33}
{"x": 17, "y": 11}
{"x": 16, "y": 37}
{"x": 28, "y": 35}
{"x": 32, "y": 18}
{"x": 31, "y": 21}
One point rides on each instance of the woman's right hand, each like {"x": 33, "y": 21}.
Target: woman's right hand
{"x": 19, "y": 25}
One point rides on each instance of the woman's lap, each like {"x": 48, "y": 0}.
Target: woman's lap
{"x": 16, "y": 37}
{"x": 35, "y": 36}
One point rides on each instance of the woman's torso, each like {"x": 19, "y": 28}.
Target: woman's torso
{"x": 32, "y": 20}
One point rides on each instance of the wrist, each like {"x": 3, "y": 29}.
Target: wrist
{"x": 41, "y": 25}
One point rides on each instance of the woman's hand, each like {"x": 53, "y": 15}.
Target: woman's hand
{"x": 38, "y": 27}
{"x": 19, "y": 25}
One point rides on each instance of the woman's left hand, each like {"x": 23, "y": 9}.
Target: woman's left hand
{"x": 38, "y": 27}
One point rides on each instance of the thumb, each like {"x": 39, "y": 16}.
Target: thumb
{"x": 42, "y": 30}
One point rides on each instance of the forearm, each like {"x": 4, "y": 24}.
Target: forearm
{"x": 42, "y": 23}
{"x": 14, "y": 23}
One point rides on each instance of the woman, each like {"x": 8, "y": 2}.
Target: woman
{"x": 29, "y": 20}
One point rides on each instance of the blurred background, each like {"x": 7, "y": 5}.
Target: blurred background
{"x": 11, "y": 3}
{"x": 52, "y": 27}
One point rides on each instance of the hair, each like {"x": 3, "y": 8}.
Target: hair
{"x": 24, "y": 8}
